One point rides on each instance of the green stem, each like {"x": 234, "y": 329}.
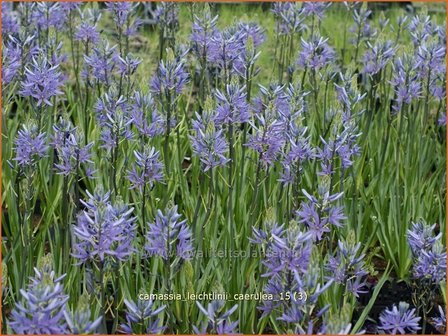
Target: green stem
{"x": 65, "y": 220}
{"x": 116, "y": 300}
{"x": 257, "y": 182}
{"x": 167, "y": 135}
{"x": 144, "y": 208}
{"x": 198, "y": 204}
{"x": 358, "y": 40}
{"x": 230, "y": 183}
{"x": 29, "y": 226}
{"x": 102, "y": 295}
{"x": 427, "y": 99}
{"x": 209, "y": 210}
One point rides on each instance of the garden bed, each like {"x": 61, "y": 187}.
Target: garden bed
{"x": 291, "y": 156}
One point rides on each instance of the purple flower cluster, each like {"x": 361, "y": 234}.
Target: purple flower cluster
{"x": 299, "y": 151}
{"x": 318, "y": 214}
{"x": 303, "y": 131}
{"x": 377, "y": 56}
{"x": 101, "y": 63}
{"x": 347, "y": 267}
{"x": 45, "y": 310}
{"x": 431, "y": 57}
{"x": 104, "y": 230}
{"x": 421, "y": 237}
{"x": 399, "y": 319}
{"x": 268, "y": 137}
{"x": 12, "y": 62}
{"x": 127, "y": 66}
{"x": 317, "y": 9}
{"x": 226, "y": 48}
{"x": 10, "y": 21}
{"x": 252, "y": 32}
{"x": 147, "y": 169}
{"x": 273, "y": 96}
{"x": 278, "y": 114}
{"x": 289, "y": 17}
{"x": 170, "y": 78}
{"x": 349, "y": 96}
{"x": 168, "y": 237}
{"x": 405, "y": 82}
{"x": 344, "y": 147}
{"x": 43, "y": 81}
{"x": 429, "y": 254}
{"x": 421, "y": 28}
{"x": 216, "y": 323}
{"x": 208, "y": 142}
{"x": 42, "y": 311}
{"x": 361, "y": 29}
{"x": 121, "y": 14}
{"x": 292, "y": 106}
{"x": 203, "y": 30}
{"x": 251, "y": 38}
{"x": 335, "y": 324}
{"x": 316, "y": 54}
{"x": 69, "y": 7}
{"x": 79, "y": 321}
{"x": 431, "y": 68}
{"x": 71, "y": 153}
{"x": 167, "y": 14}
{"x": 17, "y": 51}
{"x": 431, "y": 264}
{"x": 141, "y": 313}
{"x": 440, "y": 321}
{"x": 143, "y": 106}
{"x": 87, "y": 32}
{"x": 286, "y": 250}
{"x": 301, "y": 307}
{"x": 46, "y": 15}
{"x": 114, "y": 118}
{"x": 30, "y": 146}
{"x": 290, "y": 269}
{"x": 232, "y": 106}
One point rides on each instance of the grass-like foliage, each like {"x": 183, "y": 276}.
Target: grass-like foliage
{"x": 223, "y": 168}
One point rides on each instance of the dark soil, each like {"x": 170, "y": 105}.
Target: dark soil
{"x": 392, "y": 293}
